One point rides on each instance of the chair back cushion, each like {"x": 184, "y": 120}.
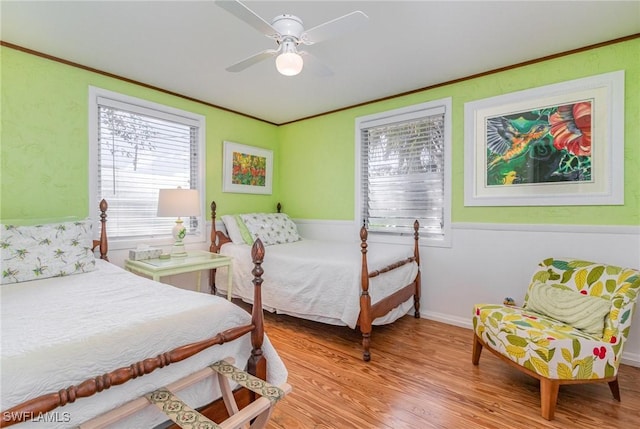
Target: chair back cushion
{"x": 583, "y": 312}
{"x": 620, "y": 286}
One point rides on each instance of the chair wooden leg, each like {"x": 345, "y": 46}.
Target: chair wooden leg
{"x": 615, "y": 389}
{"x": 477, "y": 349}
{"x": 548, "y": 397}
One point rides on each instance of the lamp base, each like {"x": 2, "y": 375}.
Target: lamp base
{"x": 178, "y": 250}
{"x": 179, "y": 231}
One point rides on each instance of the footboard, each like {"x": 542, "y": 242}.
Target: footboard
{"x": 369, "y": 312}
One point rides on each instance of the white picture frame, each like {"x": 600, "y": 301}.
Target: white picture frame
{"x": 555, "y": 145}
{"x": 247, "y": 169}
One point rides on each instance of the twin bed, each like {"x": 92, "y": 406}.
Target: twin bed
{"x": 106, "y": 330}
{"x": 326, "y": 281}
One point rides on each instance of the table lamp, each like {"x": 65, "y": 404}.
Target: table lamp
{"x": 176, "y": 203}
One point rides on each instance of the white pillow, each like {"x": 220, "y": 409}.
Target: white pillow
{"x": 583, "y": 312}
{"x": 271, "y": 228}
{"x": 42, "y": 251}
{"x": 233, "y": 231}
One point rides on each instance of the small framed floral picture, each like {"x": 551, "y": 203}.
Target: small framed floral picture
{"x": 246, "y": 169}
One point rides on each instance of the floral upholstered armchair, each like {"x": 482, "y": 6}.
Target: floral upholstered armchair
{"x": 571, "y": 329}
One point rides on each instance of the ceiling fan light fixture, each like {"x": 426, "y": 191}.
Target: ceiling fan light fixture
{"x": 289, "y": 63}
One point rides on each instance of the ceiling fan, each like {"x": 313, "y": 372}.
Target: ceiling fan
{"x": 288, "y": 32}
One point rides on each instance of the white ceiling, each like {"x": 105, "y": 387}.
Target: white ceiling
{"x": 185, "y": 46}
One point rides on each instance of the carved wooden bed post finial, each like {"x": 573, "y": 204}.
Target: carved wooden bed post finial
{"x": 104, "y": 245}
{"x": 257, "y": 362}
{"x": 365, "y": 298}
{"x": 279, "y": 207}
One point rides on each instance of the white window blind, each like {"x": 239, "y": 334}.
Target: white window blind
{"x": 139, "y": 150}
{"x": 403, "y": 171}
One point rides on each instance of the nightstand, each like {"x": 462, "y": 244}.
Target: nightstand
{"x": 195, "y": 261}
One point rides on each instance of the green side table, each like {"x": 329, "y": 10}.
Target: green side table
{"x": 196, "y": 260}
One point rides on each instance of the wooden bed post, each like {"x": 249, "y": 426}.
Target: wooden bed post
{"x": 365, "y": 298}
{"x": 416, "y": 254}
{"x": 257, "y": 364}
{"x": 104, "y": 245}
{"x": 213, "y": 248}
{"x": 217, "y": 240}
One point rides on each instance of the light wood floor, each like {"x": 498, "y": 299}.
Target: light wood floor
{"x": 420, "y": 377}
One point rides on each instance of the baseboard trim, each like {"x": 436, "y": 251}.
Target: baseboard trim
{"x": 631, "y": 359}
{"x": 461, "y": 322}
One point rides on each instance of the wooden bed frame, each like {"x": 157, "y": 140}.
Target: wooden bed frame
{"x": 257, "y": 363}
{"x": 368, "y": 312}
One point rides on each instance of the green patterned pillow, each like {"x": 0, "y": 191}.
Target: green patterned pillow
{"x": 271, "y": 228}
{"x": 42, "y": 251}
{"x": 231, "y": 225}
{"x": 583, "y": 312}
{"x": 244, "y": 232}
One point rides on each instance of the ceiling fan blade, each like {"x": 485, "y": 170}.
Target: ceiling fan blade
{"x": 314, "y": 65}
{"x": 253, "y": 59}
{"x": 240, "y": 11}
{"x": 334, "y": 28}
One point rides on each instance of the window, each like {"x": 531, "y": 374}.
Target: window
{"x": 404, "y": 172}
{"x": 136, "y": 148}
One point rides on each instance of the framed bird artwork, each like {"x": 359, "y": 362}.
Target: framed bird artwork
{"x": 561, "y": 144}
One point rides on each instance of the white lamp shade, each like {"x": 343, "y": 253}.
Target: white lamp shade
{"x": 289, "y": 63}
{"x": 178, "y": 202}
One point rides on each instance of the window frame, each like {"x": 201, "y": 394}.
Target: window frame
{"x": 144, "y": 107}
{"x": 394, "y": 116}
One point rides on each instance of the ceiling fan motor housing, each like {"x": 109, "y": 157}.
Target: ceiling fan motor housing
{"x": 288, "y": 25}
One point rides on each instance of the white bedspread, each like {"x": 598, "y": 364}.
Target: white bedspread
{"x": 320, "y": 280}
{"x": 58, "y": 332}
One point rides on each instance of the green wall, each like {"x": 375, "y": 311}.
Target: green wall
{"x": 44, "y": 142}
{"x": 317, "y": 172}
{"x": 44, "y": 146}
